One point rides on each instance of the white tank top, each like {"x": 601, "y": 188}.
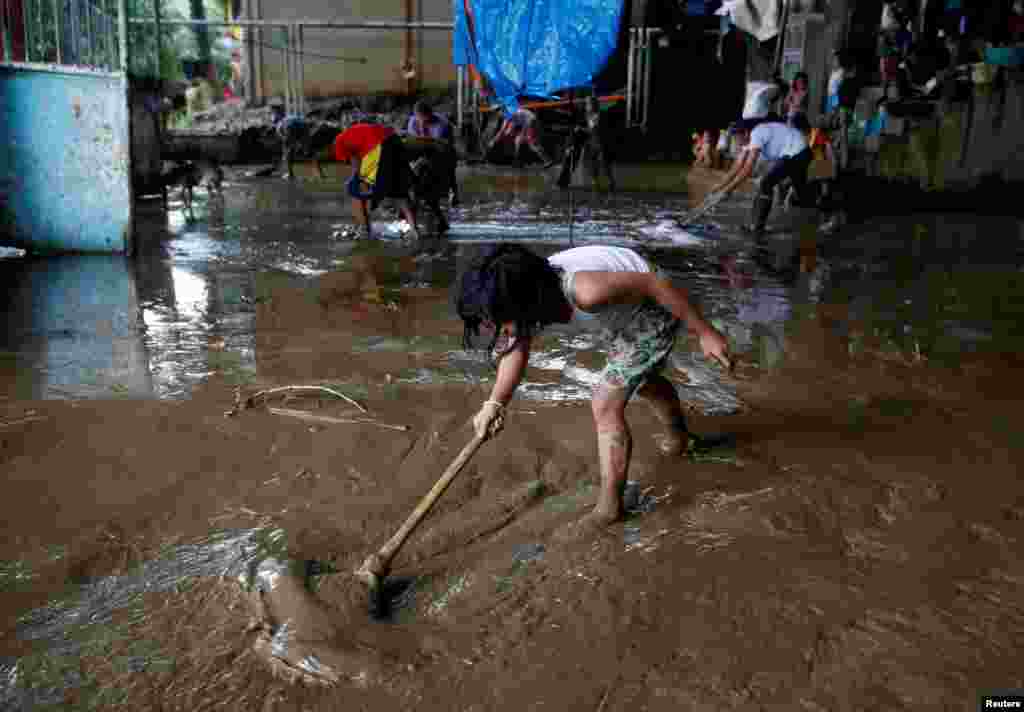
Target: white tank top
{"x": 598, "y": 258}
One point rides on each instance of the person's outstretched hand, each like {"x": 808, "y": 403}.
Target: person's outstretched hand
{"x": 489, "y": 421}
{"x": 715, "y": 347}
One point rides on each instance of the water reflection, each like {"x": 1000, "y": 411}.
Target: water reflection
{"x": 72, "y": 327}
{"x": 185, "y": 307}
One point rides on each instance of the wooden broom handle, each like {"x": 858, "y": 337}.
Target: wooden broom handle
{"x": 394, "y": 544}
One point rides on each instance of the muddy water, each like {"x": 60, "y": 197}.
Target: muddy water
{"x": 857, "y": 547}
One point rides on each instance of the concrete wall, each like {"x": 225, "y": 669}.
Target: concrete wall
{"x": 957, "y": 150}
{"x": 995, "y": 144}
{"x": 384, "y": 51}
{"x": 64, "y": 161}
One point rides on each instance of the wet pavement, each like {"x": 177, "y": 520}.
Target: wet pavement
{"x": 241, "y": 294}
{"x": 185, "y": 307}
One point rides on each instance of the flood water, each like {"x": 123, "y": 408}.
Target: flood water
{"x": 240, "y": 296}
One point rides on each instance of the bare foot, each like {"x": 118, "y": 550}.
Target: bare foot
{"x": 597, "y": 522}
{"x": 672, "y": 444}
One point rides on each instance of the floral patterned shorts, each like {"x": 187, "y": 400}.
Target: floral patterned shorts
{"x": 640, "y": 349}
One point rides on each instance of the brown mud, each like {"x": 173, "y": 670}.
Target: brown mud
{"x": 858, "y": 547}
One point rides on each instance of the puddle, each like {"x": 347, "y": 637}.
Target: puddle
{"x": 184, "y": 309}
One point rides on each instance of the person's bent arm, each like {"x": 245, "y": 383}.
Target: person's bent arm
{"x": 744, "y": 170}
{"x": 511, "y": 368}
{"x": 733, "y": 171}
{"x": 594, "y": 289}
{"x": 489, "y": 420}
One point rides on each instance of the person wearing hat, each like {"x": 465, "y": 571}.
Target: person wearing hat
{"x": 771, "y": 140}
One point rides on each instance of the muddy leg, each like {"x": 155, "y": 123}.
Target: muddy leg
{"x": 614, "y": 447}
{"x": 659, "y": 393}
{"x": 409, "y": 213}
{"x": 288, "y": 170}
{"x": 439, "y": 216}
{"x": 361, "y": 214}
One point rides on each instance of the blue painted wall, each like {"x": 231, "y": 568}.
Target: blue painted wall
{"x": 65, "y": 176}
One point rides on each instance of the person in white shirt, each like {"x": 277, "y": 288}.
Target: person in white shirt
{"x": 773, "y": 141}
{"x": 635, "y": 309}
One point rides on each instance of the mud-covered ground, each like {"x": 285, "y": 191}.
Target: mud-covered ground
{"x": 857, "y": 545}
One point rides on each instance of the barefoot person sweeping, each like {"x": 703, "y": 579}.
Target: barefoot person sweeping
{"x": 613, "y": 291}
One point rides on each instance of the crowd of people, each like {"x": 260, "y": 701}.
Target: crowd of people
{"x": 415, "y": 166}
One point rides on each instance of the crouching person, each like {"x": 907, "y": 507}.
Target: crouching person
{"x": 775, "y": 141}
{"x": 511, "y": 293}
{"x": 295, "y": 133}
{"x": 380, "y": 169}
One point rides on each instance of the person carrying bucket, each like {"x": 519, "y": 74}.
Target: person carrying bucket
{"x": 512, "y": 293}
{"x": 380, "y": 169}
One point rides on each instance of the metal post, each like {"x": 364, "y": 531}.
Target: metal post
{"x": 649, "y": 51}
{"x": 122, "y": 35}
{"x": 290, "y": 84}
{"x": 638, "y": 77}
{"x": 72, "y": 26}
{"x": 781, "y": 40}
{"x": 90, "y": 32}
{"x": 250, "y": 56}
{"x": 56, "y": 26}
{"x": 293, "y": 55}
{"x": 159, "y": 40}
{"x": 302, "y": 71}
{"x": 28, "y": 30}
{"x": 259, "y": 88}
{"x": 292, "y": 46}
{"x": 4, "y": 37}
{"x": 629, "y": 77}
{"x": 460, "y": 80}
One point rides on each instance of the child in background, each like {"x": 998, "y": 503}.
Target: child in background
{"x": 705, "y": 149}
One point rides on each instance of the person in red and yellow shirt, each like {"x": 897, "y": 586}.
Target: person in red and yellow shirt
{"x": 380, "y": 169}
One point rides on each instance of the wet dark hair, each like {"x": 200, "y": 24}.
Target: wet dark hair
{"x": 508, "y": 283}
{"x": 423, "y": 107}
{"x": 801, "y": 75}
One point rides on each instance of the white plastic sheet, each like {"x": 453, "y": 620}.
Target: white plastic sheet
{"x": 759, "y": 18}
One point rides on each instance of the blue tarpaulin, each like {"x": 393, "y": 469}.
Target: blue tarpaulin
{"x": 535, "y": 47}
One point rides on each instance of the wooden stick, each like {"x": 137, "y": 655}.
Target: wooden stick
{"x": 20, "y": 421}
{"x": 336, "y": 394}
{"x": 608, "y": 691}
{"x": 377, "y": 566}
{"x": 313, "y": 417}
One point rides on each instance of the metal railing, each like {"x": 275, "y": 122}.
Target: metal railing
{"x": 638, "y": 75}
{"x": 68, "y": 33}
{"x": 292, "y": 46}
